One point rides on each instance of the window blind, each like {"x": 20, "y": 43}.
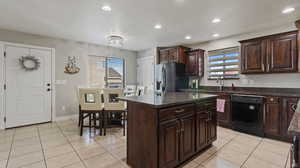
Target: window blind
{"x": 224, "y": 63}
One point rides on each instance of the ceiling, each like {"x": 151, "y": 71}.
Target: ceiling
{"x": 83, "y": 20}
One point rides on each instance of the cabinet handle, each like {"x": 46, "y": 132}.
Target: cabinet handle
{"x": 294, "y": 107}
{"x": 179, "y": 111}
{"x": 272, "y": 99}
{"x": 182, "y": 130}
{"x": 178, "y": 131}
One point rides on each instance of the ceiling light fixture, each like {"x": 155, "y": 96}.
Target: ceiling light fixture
{"x": 158, "y": 26}
{"x": 115, "y": 40}
{"x": 106, "y": 8}
{"x": 216, "y": 20}
{"x": 188, "y": 37}
{"x": 288, "y": 10}
{"x": 216, "y": 35}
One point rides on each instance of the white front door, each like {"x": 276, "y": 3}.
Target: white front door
{"x": 27, "y": 94}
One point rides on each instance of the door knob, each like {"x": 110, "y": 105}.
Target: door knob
{"x": 48, "y": 90}
{"x": 48, "y": 84}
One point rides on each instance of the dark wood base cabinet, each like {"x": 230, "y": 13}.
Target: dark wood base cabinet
{"x": 167, "y": 137}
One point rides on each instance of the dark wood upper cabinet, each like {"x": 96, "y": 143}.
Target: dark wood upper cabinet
{"x": 270, "y": 54}
{"x": 195, "y": 63}
{"x": 283, "y": 56}
{"x": 253, "y": 56}
{"x": 169, "y": 134}
{"x": 172, "y": 54}
{"x": 272, "y": 116}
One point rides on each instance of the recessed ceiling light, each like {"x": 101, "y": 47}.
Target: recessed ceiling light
{"x": 288, "y": 10}
{"x": 216, "y": 20}
{"x": 188, "y": 37}
{"x": 216, "y": 35}
{"x": 158, "y": 26}
{"x": 106, "y": 8}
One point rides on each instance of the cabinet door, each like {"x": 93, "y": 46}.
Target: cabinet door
{"x": 187, "y": 143}
{"x": 253, "y": 56}
{"x": 212, "y": 125}
{"x": 283, "y": 55}
{"x": 272, "y": 116}
{"x": 224, "y": 118}
{"x": 201, "y": 130}
{"x": 169, "y": 133}
{"x": 288, "y": 109}
{"x": 163, "y": 55}
{"x": 192, "y": 62}
{"x": 173, "y": 55}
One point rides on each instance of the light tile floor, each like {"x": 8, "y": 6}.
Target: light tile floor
{"x": 58, "y": 145}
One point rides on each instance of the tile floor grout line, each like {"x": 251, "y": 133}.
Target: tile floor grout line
{"x": 12, "y": 141}
{"x": 251, "y": 153}
{"x": 216, "y": 151}
{"x": 81, "y": 160}
{"x": 42, "y": 147}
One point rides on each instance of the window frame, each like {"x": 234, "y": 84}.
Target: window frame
{"x": 223, "y": 52}
{"x": 106, "y": 69}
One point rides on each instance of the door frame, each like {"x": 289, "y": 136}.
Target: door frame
{"x": 2, "y": 78}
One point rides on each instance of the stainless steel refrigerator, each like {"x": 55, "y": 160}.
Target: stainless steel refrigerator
{"x": 170, "y": 77}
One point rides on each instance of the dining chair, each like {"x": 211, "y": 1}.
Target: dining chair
{"x": 130, "y": 90}
{"x": 114, "y": 109}
{"x": 91, "y": 107}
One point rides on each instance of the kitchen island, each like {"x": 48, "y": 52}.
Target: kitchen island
{"x": 166, "y": 131}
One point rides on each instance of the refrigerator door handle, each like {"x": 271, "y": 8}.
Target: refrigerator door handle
{"x": 164, "y": 75}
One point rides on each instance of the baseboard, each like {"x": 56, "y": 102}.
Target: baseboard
{"x": 63, "y": 118}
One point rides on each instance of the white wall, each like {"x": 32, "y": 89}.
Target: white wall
{"x": 65, "y": 93}
{"x": 290, "y": 80}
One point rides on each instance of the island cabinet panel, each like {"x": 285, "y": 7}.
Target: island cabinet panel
{"x": 201, "y": 130}
{"x": 272, "y": 116}
{"x": 169, "y": 134}
{"x": 187, "y": 144}
{"x": 211, "y": 123}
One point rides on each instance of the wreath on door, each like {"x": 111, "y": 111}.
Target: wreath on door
{"x": 29, "y": 63}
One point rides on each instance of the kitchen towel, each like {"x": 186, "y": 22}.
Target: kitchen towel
{"x": 221, "y": 105}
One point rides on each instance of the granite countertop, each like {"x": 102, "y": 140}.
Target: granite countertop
{"x": 244, "y": 92}
{"x": 172, "y": 98}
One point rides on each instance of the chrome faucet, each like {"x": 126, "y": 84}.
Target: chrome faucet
{"x": 221, "y": 82}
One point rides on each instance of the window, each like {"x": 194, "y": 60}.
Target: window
{"x": 224, "y": 63}
{"x": 106, "y": 72}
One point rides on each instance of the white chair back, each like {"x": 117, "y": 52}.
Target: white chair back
{"x": 140, "y": 91}
{"x": 90, "y": 99}
{"x": 130, "y": 90}
{"x": 110, "y": 101}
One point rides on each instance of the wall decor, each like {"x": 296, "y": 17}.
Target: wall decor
{"x": 71, "y": 67}
{"x": 29, "y": 63}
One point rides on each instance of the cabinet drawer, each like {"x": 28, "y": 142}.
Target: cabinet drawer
{"x": 204, "y": 106}
{"x": 173, "y": 112}
{"x": 272, "y": 99}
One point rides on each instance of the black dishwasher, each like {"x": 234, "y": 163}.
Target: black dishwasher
{"x": 247, "y": 114}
